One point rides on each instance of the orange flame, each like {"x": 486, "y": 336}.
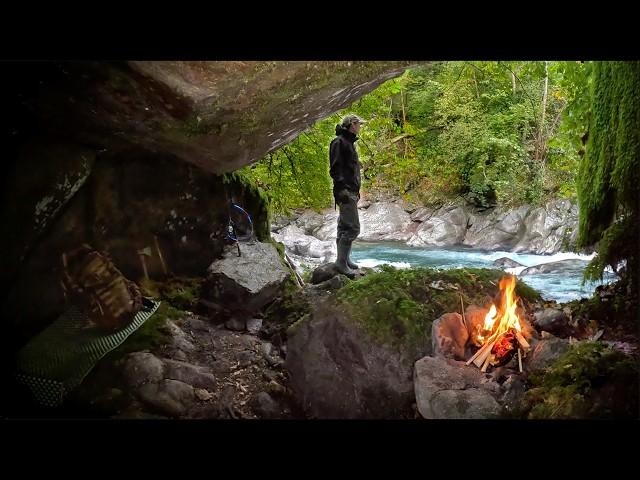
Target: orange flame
{"x": 490, "y": 318}
{"x": 505, "y": 316}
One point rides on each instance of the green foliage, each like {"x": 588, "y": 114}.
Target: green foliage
{"x": 297, "y": 175}
{"x": 565, "y": 147}
{"x": 609, "y": 175}
{"x": 398, "y": 306}
{"x": 448, "y": 129}
{"x": 487, "y": 132}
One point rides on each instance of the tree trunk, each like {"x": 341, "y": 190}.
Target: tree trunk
{"x": 513, "y": 84}
{"x": 541, "y": 139}
{"x": 402, "y": 102}
{"x": 475, "y": 82}
{"x": 544, "y": 94}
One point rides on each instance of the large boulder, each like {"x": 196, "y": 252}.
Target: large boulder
{"x": 505, "y": 262}
{"x": 553, "y": 321}
{"x": 498, "y": 230}
{"x": 194, "y": 375}
{"x": 446, "y": 227}
{"x": 310, "y": 221}
{"x": 328, "y": 229}
{"x": 324, "y": 273}
{"x": 217, "y": 115}
{"x": 337, "y": 370}
{"x": 45, "y": 179}
{"x": 297, "y": 242}
{"x": 384, "y": 221}
{"x": 65, "y": 121}
{"x": 168, "y": 397}
{"x": 142, "y": 367}
{"x": 569, "y": 266}
{"x": 545, "y": 352}
{"x": 446, "y": 389}
{"x": 542, "y": 230}
{"x": 421, "y": 214}
{"x": 550, "y": 228}
{"x": 247, "y": 282}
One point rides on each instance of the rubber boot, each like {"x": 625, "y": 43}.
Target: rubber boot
{"x": 350, "y": 264}
{"x": 343, "y": 254}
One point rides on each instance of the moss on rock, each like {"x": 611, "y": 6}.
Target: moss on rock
{"x": 591, "y": 380}
{"x": 181, "y": 292}
{"x": 256, "y": 202}
{"x": 398, "y": 306}
{"x": 152, "y": 333}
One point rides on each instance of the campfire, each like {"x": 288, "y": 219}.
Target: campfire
{"x": 500, "y": 337}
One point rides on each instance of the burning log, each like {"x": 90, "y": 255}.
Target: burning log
{"x": 477, "y": 354}
{"x": 523, "y": 343}
{"x": 503, "y": 349}
{"x": 481, "y": 354}
{"x": 487, "y": 362}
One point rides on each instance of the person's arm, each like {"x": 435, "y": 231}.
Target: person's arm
{"x": 336, "y": 159}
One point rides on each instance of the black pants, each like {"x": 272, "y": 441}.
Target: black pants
{"x": 348, "y": 221}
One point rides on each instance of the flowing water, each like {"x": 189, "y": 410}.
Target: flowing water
{"x": 561, "y": 286}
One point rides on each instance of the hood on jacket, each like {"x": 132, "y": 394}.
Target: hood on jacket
{"x": 340, "y": 130}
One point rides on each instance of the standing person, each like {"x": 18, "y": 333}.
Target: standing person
{"x": 345, "y": 172}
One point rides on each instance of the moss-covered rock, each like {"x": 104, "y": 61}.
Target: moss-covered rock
{"x": 255, "y": 202}
{"x": 152, "y": 334}
{"x": 181, "y": 292}
{"x": 609, "y": 174}
{"x": 339, "y": 371}
{"x": 591, "y": 380}
{"x": 287, "y": 309}
{"x": 351, "y": 354}
{"x": 398, "y": 306}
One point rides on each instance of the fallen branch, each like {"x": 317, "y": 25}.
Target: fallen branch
{"x": 464, "y": 320}
{"x": 519, "y": 360}
{"x": 297, "y": 276}
{"x": 398, "y": 138}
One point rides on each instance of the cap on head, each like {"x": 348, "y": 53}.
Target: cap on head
{"x": 351, "y": 118}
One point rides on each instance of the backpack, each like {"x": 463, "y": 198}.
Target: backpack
{"x": 91, "y": 280}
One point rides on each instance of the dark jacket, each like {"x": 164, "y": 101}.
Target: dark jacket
{"x": 345, "y": 166}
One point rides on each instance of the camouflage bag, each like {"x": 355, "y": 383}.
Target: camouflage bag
{"x": 91, "y": 280}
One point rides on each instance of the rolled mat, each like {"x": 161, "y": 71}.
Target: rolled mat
{"x": 56, "y": 361}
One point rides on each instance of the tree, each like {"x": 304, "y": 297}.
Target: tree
{"x": 495, "y": 132}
